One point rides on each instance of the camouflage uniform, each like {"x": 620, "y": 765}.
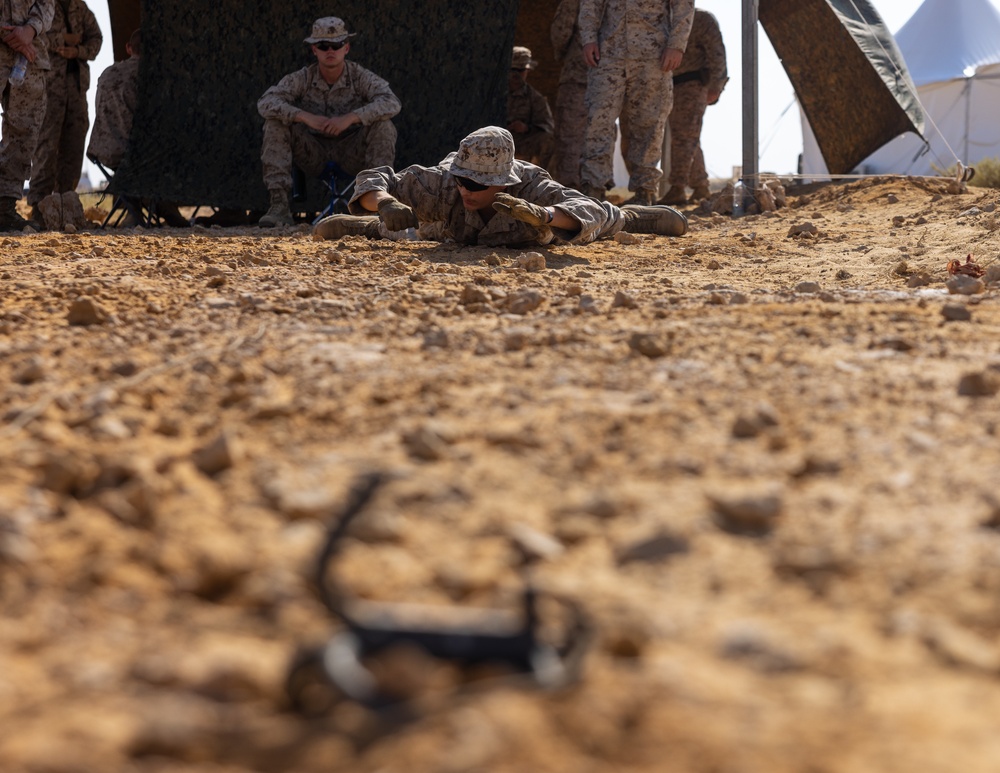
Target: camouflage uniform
{"x": 702, "y": 70}
{"x": 359, "y": 91}
{"x": 24, "y": 105}
{"x": 530, "y": 105}
{"x": 571, "y": 107}
{"x": 58, "y": 156}
{"x": 632, "y": 36}
{"x": 437, "y": 203}
{"x": 117, "y": 94}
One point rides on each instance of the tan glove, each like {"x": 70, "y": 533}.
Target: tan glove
{"x": 522, "y": 210}
{"x": 396, "y": 215}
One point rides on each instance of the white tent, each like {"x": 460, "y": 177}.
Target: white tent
{"x": 952, "y": 50}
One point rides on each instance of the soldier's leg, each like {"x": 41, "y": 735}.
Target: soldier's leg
{"x": 276, "y": 158}
{"x": 380, "y": 145}
{"x": 74, "y": 136}
{"x": 605, "y": 92}
{"x": 645, "y": 108}
{"x": 685, "y": 128}
{"x": 45, "y": 158}
{"x": 699, "y": 175}
{"x": 571, "y": 123}
{"x": 23, "y": 114}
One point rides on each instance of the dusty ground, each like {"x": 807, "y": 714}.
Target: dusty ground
{"x": 764, "y": 465}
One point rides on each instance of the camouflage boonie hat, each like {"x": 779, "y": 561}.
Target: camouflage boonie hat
{"x": 486, "y": 156}
{"x": 329, "y": 28}
{"x": 521, "y": 59}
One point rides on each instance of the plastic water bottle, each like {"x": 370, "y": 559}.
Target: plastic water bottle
{"x": 739, "y": 194}
{"x": 19, "y": 70}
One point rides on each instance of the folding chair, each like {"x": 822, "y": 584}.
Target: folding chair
{"x": 340, "y": 185}
{"x": 124, "y": 205}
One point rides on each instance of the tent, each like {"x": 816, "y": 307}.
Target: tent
{"x": 952, "y": 51}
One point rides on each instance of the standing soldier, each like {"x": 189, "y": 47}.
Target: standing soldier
{"x": 698, "y": 83}
{"x": 73, "y": 40}
{"x": 529, "y": 117}
{"x": 22, "y": 27}
{"x": 631, "y": 47}
{"x": 332, "y": 110}
{"x": 571, "y": 107}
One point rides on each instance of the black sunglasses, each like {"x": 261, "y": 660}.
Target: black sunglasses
{"x": 470, "y": 185}
{"x": 327, "y": 45}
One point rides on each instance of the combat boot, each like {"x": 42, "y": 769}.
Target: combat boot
{"x": 10, "y": 220}
{"x": 336, "y": 226}
{"x": 279, "y": 213}
{"x": 665, "y": 221}
{"x": 675, "y": 195}
{"x": 700, "y": 193}
{"x": 643, "y": 198}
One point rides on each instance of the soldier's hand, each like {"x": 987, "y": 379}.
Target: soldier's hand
{"x": 396, "y": 215}
{"x": 522, "y": 210}
{"x": 591, "y": 54}
{"x": 20, "y": 39}
{"x": 671, "y": 59}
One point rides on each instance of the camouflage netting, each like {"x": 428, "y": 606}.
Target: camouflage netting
{"x": 197, "y": 133}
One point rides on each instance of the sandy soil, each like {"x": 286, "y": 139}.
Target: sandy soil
{"x": 764, "y": 465}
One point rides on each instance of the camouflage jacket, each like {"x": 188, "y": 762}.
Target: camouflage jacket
{"x": 117, "y": 94}
{"x": 706, "y": 53}
{"x": 357, "y": 90}
{"x": 435, "y": 198}
{"x": 37, "y": 13}
{"x": 635, "y": 29}
{"x": 80, "y": 19}
{"x": 530, "y": 105}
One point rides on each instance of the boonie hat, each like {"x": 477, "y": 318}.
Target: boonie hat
{"x": 329, "y": 28}
{"x": 486, "y": 156}
{"x": 521, "y": 59}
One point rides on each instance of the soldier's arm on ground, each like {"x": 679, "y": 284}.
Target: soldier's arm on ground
{"x": 591, "y": 216}
{"x": 418, "y": 187}
{"x": 563, "y": 26}
{"x": 380, "y": 102}
{"x": 281, "y": 100}
{"x": 92, "y": 39}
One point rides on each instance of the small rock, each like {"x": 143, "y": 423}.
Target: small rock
{"x": 654, "y": 549}
{"x": 623, "y": 301}
{"x": 588, "y": 304}
{"x": 992, "y": 274}
{"x": 965, "y": 285}
{"x": 751, "y": 643}
{"x": 807, "y": 287}
{"x": 425, "y": 444}
{"x": 533, "y": 544}
{"x": 86, "y": 311}
{"x": 530, "y": 261}
{"x": 219, "y": 455}
{"x": 920, "y": 279}
{"x": 473, "y": 294}
{"x": 843, "y": 275}
{"x": 982, "y": 384}
{"x": 32, "y": 371}
{"x": 650, "y": 344}
{"x": 892, "y": 198}
{"x": 623, "y": 237}
{"x": 754, "y": 514}
{"x": 955, "y": 313}
{"x": 524, "y": 301}
{"x": 970, "y": 212}
{"x": 803, "y": 229}
{"x": 436, "y": 339}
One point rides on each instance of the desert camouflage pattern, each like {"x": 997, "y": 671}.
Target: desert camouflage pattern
{"x": 357, "y": 90}
{"x": 571, "y": 107}
{"x": 705, "y": 55}
{"x": 58, "y": 156}
{"x": 628, "y": 83}
{"x": 437, "y": 203}
{"x": 24, "y": 106}
{"x": 528, "y": 104}
{"x": 698, "y": 177}
{"x": 117, "y": 94}
{"x": 286, "y": 145}
{"x": 635, "y": 29}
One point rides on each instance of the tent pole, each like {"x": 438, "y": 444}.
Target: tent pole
{"x": 751, "y": 140}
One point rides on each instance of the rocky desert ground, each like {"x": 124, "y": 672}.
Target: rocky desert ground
{"x": 761, "y": 459}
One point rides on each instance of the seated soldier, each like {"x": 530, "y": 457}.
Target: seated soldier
{"x": 481, "y": 195}
{"x": 331, "y": 110}
{"x": 114, "y": 109}
{"x": 529, "y": 117}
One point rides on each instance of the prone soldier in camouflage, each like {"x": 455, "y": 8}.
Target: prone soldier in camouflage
{"x": 117, "y": 95}
{"x": 698, "y": 83}
{"x": 571, "y": 107}
{"x": 332, "y": 110}
{"x": 74, "y": 39}
{"x": 631, "y": 47}
{"x": 529, "y": 117}
{"x": 482, "y": 195}
{"x": 23, "y": 24}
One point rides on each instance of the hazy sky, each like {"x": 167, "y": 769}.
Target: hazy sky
{"x": 722, "y": 139}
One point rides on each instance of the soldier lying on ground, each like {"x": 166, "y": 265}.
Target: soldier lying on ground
{"x": 482, "y": 195}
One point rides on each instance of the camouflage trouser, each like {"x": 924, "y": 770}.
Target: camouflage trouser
{"x": 690, "y": 101}
{"x": 59, "y": 152}
{"x": 699, "y": 174}
{"x": 23, "y": 113}
{"x": 533, "y": 146}
{"x": 640, "y": 92}
{"x": 571, "y": 123}
{"x": 287, "y": 144}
